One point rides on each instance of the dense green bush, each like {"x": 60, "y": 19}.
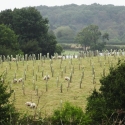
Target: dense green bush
{"x": 107, "y": 105}
{"x": 8, "y": 113}
{"x": 70, "y": 115}
{"x": 8, "y": 41}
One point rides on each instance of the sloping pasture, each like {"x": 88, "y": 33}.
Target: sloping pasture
{"x": 85, "y": 72}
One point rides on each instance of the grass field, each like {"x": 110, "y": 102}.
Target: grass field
{"x": 49, "y": 92}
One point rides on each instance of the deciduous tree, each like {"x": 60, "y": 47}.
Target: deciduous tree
{"x": 32, "y": 30}
{"x": 8, "y": 41}
{"x": 91, "y": 36}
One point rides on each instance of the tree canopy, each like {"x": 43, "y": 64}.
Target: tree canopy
{"x": 92, "y": 37}
{"x": 65, "y": 34}
{"x": 109, "y": 18}
{"x": 29, "y": 24}
{"x": 8, "y": 41}
{"x": 31, "y": 28}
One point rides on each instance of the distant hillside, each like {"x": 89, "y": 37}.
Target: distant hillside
{"x": 109, "y": 18}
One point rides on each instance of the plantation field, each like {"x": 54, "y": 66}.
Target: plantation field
{"x": 49, "y": 94}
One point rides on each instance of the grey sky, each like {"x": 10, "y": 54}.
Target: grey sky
{"x": 11, "y": 4}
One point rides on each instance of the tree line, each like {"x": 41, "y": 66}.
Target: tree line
{"x": 74, "y": 18}
{"x": 25, "y": 31}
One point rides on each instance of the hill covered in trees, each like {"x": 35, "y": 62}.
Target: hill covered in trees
{"x": 66, "y": 21}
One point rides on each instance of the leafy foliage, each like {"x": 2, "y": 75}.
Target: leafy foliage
{"x": 83, "y": 38}
{"x": 8, "y": 41}
{"x": 48, "y": 44}
{"x": 31, "y": 47}
{"x": 96, "y": 107}
{"x": 6, "y": 17}
{"x": 70, "y": 115}
{"x": 27, "y": 118}
{"x": 109, "y": 18}
{"x": 65, "y": 34}
{"x": 32, "y": 30}
{"x": 110, "y": 98}
{"x": 91, "y": 36}
{"x": 114, "y": 92}
{"x": 8, "y": 113}
{"x": 29, "y": 24}
{"x": 59, "y": 49}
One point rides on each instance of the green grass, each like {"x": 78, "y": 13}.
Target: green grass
{"x": 50, "y": 100}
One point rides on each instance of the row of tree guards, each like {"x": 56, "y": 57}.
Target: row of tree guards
{"x": 27, "y": 57}
{"x": 82, "y": 54}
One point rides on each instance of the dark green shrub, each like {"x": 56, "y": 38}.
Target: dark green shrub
{"x": 8, "y": 113}
{"x": 108, "y": 105}
{"x": 96, "y": 107}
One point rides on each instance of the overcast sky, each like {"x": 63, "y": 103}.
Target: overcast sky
{"x": 11, "y": 4}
